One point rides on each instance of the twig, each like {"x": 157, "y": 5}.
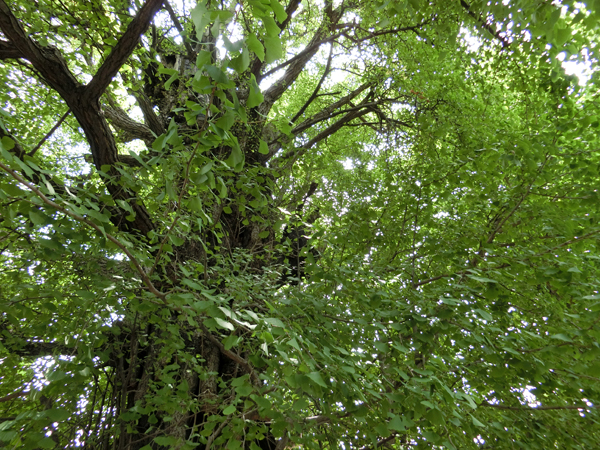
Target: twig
{"x": 216, "y": 433}
{"x": 14, "y": 395}
{"x": 50, "y": 133}
{"x": 538, "y": 408}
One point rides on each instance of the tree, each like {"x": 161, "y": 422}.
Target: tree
{"x": 312, "y": 225}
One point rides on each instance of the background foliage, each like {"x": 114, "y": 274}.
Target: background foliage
{"x": 261, "y": 224}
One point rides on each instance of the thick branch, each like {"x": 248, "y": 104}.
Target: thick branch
{"x": 47, "y": 60}
{"x": 132, "y": 129}
{"x": 232, "y": 356}
{"x": 119, "y": 54}
{"x": 83, "y": 101}
{"x": 9, "y": 51}
{"x": 150, "y": 118}
{"x": 296, "y": 67}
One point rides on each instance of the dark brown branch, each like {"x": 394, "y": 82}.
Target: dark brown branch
{"x": 485, "y": 24}
{"x": 9, "y": 397}
{"x": 47, "y": 60}
{"x": 292, "y": 156}
{"x": 326, "y": 113}
{"x": 50, "y": 133}
{"x": 296, "y": 66}
{"x": 9, "y": 51}
{"x": 150, "y": 118}
{"x": 315, "y": 43}
{"x": 232, "y": 356}
{"x": 317, "y": 88}
{"x": 83, "y": 101}
{"x": 289, "y": 10}
{"x": 190, "y": 53}
{"x": 538, "y": 408}
{"x": 119, "y": 54}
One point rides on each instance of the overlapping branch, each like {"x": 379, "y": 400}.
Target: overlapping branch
{"x": 83, "y": 100}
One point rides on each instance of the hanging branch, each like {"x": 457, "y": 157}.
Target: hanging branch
{"x": 100, "y": 230}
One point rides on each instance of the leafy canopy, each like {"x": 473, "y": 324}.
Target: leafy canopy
{"x": 311, "y": 224}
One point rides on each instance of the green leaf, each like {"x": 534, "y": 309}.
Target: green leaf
{"x": 317, "y": 378}
{"x": 255, "y": 97}
{"x": 476, "y": 422}
{"x": 46, "y": 443}
{"x": 396, "y": 424}
{"x": 229, "y": 410}
{"x": 257, "y": 48}
{"x": 241, "y": 62}
{"x": 58, "y": 414}
{"x": 201, "y": 18}
{"x": 275, "y": 322}
{"x": 263, "y": 148}
{"x": 165, "y": 440}
{"x": 271, "y": 27}
{"x": 223, "y": 189}
{"x": 435, "y": 416}
{"x": 561, "y": 337}
{"x": 7, "y": 143}
{"x": 279, "y": 11}
{"x": 273, "y": 48}
{"x": 484, "y": 314}
{"x": 216, "y": 74}
{"x": 224, "y": 324}
{"x": 236, "y": 157}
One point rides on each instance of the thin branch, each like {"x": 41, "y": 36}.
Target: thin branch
{"x": 538, "y": 408}
{"x": 449, "y": 275}
{"x": 188, "y": 47}
{"x": 380, "y": 443}
{"x": 293, "y": 155}
{"x": 317, "y": 88}
{"x": 485, "y": 24}
{"x": 50, "y": 133}
{"x": 216, "y": 433}
{"x": 100, "y": 230}
{"x": 326, "y": 113}
{"x": 14, "y": 395}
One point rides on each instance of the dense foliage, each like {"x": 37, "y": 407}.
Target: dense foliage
{"x": 312, "y": 224}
